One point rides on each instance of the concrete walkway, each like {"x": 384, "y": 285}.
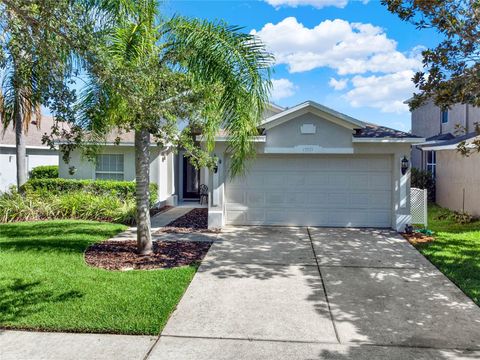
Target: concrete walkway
{"x": 157, "y": 222}
{"x": 294, "y": 293}
{"x": 317, "y": 293}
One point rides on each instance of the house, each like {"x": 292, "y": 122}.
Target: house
{"x": 457, "y": 177}
{"x": 37, "y": 153}
{"x": 314, "y": 166}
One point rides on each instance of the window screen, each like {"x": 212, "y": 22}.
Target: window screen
{"x": 109, "y": 167}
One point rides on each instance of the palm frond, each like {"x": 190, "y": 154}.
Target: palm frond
{"x": 222, "y": 56}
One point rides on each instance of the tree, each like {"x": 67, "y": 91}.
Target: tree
{"x": 149, "y": 73}
{"x": 452, "y": 69}
{"x": 35, "y": 61}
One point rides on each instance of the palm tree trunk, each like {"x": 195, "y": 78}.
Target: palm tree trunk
{"x": 21, "y": 150}
{"x": 142, "y": 172}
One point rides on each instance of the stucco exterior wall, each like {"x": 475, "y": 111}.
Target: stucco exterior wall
{"x": 454, "y": 174}
{"x": 473, "y": 117}
{"x": 426, "y": 120}
{"x": 327, "y": 134}
{"x": 8, "y": 163}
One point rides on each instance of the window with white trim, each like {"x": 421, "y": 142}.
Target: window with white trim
{"x": 431, "y": 165}
{"x": 109, "y": 167}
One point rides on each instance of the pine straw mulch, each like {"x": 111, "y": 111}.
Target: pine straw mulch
{"x": 195, "y": 221}
{"x": 122, "y": 255}
{"x": 418, "y": 238}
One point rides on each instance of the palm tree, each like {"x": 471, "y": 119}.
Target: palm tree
{"x": 151, "y": 72}
{"x": 19, "y": 104}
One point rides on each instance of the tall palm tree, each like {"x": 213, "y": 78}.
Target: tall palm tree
{"x": 152, "y": 72}
{"x": 19, "y": 105}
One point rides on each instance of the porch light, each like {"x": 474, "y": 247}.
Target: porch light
{"x": 405, "y": 165}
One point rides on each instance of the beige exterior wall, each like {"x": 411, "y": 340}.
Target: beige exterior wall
{"x": 426, "y": 120}
{"x": 454, "y": 174}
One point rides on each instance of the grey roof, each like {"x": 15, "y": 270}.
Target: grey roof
{"x": 377, "y": 131}
{"x": 34, "y": 135}
{"x": 455, "y": 140}
{"x": 440, "y": 137}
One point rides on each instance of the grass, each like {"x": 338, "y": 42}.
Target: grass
{"x": 455, "y": 251}
{"x": 46, "y": 285}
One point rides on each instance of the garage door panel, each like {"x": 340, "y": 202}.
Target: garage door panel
{"x": 313, "y": 190}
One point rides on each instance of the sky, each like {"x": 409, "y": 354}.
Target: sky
{"x": 351, "y": 55}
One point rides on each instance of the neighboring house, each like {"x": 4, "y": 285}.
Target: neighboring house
{"x": 314, "y": 166}
{"x": 37, "y": 153}
{"x": 457, "y": 177}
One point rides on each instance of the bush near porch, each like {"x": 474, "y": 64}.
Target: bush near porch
{"x": 48, "y": 199}
{"x": 455, "y": 250}
{"x": 46, "y": 285}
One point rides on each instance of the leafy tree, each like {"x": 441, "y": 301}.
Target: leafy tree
{"x": 150, "y": 73}
{"x": 451, "y": 69}
{"x": 35, "y": 62}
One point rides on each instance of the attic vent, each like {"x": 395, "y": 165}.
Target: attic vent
{"x": 308, "y": 129}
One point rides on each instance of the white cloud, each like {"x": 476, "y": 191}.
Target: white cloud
{"x": 315, "y": 3}
{"x": 361, "y": 54}
{"x": 281, "y": 89}
{"x": 385, "y": 92}
{"x": 349, "y": 48}
{"x": 338, "y": 84}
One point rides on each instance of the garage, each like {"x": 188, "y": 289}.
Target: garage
{"x": 315, "y": 166}
{"x": 313, "y": 190}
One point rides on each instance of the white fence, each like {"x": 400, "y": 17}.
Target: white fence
{"x": 418, "y": 206}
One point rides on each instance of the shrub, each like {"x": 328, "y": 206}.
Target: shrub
{"x": 120, "y": 189}
{"x": 44, "y": 172}
{"x": 70, "y": 205}
{"x": 424, "y": 180}
{"x": 462, "y": 217}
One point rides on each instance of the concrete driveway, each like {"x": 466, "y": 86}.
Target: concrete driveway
{"x": 319, "y": 293}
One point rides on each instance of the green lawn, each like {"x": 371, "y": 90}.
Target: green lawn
{"x": 46, "y": 285}
{"x": 455, "y": 251}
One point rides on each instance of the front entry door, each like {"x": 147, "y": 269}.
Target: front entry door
{"x": 191, "y": 180}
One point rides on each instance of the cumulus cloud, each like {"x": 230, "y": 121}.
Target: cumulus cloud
{"x": 338, "y": 84}
{"x": 281, "y": 89}
{"x": 360, "y": 53}
{"x": 384, "y": 92}
{"x": 349, "y": 48}
{"x": 315, "y": 3}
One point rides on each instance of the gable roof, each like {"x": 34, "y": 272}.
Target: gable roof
{"x": 311, "y": 106}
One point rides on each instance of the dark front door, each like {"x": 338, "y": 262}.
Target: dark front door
{"x": 191, "y": 180}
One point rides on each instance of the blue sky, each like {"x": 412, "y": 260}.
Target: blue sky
{"x": 351, "y": 55}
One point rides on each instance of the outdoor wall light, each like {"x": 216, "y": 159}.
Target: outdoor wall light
{"x": 405, "y": 165}
{"x": 217, "y": 162}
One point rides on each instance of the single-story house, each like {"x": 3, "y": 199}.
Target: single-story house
{"x": 37, "y": 153}
{"x": 314, "y": 166}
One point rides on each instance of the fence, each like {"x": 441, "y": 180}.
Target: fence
{"x": 418, "y": 206}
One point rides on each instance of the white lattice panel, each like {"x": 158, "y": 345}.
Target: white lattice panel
{"x": 418, "y": 206}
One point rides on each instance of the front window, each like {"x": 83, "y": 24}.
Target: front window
{"x": 109, "y": 167}
{"x": 431, "y": 162}
{"x": 444, "y": 116}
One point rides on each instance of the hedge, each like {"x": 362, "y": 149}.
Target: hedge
{"x": 44, "y": 172}
{"x": 121, "y": 189}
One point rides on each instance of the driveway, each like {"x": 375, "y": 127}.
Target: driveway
{"x": 319, "y": 293}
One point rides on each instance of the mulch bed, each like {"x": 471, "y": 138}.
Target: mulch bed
{"x": 122, "y": 255}
{"x": 418, "y": 238}
{"x": 193, "y": 221}
{"x": 156, "y": 211}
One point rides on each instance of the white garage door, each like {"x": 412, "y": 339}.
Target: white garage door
{"x": 346, "y": 191}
